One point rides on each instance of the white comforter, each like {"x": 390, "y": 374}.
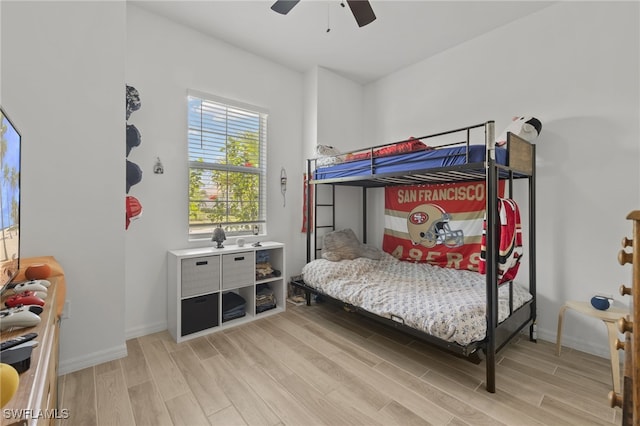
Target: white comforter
{"x": 446, "y": 303}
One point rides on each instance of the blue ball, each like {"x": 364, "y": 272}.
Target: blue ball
{"x": 600, "y": 302}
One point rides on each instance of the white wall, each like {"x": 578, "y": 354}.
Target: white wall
{"x": 63, "y": 86}
{"x": 340, "y": 103}
{"x": 163, "y": 61}
{"x": 575, "y": 66}
{"x": 339, "y": 124}
{"x": 310, "y": 119}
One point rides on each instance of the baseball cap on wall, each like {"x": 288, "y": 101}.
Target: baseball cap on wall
{"x": 134, "y": 174}
{"x": 133, "y": 210}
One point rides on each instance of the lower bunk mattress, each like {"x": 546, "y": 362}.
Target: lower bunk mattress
{"x": 446, "y": 303}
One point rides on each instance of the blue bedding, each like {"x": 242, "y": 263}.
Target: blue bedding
{"x": 409, "y": 162}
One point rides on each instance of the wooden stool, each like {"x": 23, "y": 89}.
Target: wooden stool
{"x": 610, "y": 316}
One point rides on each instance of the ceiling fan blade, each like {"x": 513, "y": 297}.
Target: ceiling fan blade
{"x": 284, "y": 6}
{"x": 362, "y": 11}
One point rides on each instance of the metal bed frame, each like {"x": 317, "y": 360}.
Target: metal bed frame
{"x": 520, "y": 164}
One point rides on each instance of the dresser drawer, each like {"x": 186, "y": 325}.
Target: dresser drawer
{"x": 238, "y": 269}
{"x": 200, "y": 275}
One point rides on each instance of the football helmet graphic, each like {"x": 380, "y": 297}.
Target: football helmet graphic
{"x": 428, "y": 225}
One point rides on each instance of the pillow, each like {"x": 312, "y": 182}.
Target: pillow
{"x": 344, "y": 244}
{"x": 410, "y": 145}
{"x": 327, "y": 155}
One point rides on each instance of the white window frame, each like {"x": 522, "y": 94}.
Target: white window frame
{"x": 232, "y": 228}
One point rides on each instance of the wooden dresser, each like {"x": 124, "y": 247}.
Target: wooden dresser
{"x": 629, "y": 325}
{"x": 36, "y": 400}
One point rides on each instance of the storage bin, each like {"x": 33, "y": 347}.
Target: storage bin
{"x": 199, "y": 313}
{"x": 200, "y": 275}
{"x": 238, "y": 270}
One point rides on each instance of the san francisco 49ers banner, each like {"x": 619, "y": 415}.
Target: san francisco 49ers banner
{"x": 437, "y": 224}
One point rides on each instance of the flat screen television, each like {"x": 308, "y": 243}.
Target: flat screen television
{"x": 10, "y": 140}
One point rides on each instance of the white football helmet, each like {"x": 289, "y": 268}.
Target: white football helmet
{"x": 428, "y": 225}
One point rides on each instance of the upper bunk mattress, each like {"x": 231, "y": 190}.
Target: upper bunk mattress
{"x": 446, "y": 303}
{"x": 410, "y": 162}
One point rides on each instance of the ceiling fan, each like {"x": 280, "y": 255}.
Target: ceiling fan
{"x": 361, "y": 9}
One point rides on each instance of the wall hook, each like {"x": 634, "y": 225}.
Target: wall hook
{"x": 158, "y": 168}
{"x": 283, "y": 186}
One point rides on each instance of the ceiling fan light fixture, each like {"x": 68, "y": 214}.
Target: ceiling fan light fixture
{"x": 361, "y": 9}
{"x": 284, "y": 6}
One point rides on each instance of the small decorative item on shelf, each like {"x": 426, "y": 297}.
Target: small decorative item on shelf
{"x": 218, "y": 236}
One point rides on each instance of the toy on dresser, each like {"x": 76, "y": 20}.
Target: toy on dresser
{"x": 9, "y": 380}
{"x": 24, "y": 304}
{"x": 31, "y": 348}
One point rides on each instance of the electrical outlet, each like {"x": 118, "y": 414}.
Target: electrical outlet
{"x": 65, "y": 311}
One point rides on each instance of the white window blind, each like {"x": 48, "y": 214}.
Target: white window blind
{"x": 227, "y": 166}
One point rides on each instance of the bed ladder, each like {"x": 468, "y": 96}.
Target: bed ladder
{"x": 330, "y": 204}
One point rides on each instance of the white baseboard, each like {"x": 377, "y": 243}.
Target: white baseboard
{"x": 144, "y": 330}
{"x": 90, "y": 360}
{"x": 75, "y": 364}
{"x": 579, "y": 344}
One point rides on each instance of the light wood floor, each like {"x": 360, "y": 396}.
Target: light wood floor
{"x": 321, "y": 365}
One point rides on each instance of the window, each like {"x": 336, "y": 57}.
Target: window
{"x": 227, "y": 166}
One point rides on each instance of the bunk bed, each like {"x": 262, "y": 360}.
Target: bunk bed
{"x": 416, "y": 162}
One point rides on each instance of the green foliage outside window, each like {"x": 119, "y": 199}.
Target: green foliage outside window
{"x": 226, "y": 168}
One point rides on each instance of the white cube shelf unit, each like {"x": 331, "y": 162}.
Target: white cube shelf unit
{"x": 211, "y": 289}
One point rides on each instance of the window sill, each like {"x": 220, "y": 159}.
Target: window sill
{"x": 249, "y": 239}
